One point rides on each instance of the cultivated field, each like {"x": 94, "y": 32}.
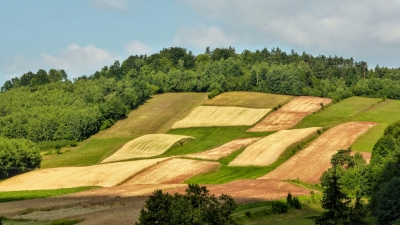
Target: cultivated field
{"x": 209, "y": 116}
{"x": 309, "y": 164}
{"x": 157, "y": 115}
{"x": 290, "y": 114}
{"x": 146, "y": 146}
{"x": 105, "y": 175}
{"x": 245, "y": 191}
{"x": 248, "y": 100}
{"x": 173, "y": 171}
{"x": 267, "y": 150}
{"x": 225, "y": 149}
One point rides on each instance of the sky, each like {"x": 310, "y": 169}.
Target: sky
{"x": 82, "y": 36}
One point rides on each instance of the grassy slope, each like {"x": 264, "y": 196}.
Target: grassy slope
{"x": 155, "y": 116}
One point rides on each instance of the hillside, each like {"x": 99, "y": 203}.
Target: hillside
{"x": 159, "y": 114}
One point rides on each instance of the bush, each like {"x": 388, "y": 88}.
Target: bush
{"x": 279, "y": 207}
{"x": 293, "y": 202}
{"x": 197, "y": 206}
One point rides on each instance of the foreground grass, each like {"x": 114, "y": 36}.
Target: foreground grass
{"x": 261, "y": 212}
{"x": 9, "y": 196}
{"x": 89, "y": 152}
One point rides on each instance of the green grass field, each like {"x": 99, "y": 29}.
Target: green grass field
{"x": 88, "y": 152}
{"x": 9, "y": 196}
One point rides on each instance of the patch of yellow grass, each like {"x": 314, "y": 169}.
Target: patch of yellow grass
{"x": 249, "y": 99}
{"x": 105, "y": 175}
{"x": 267, "y": 150}
{"x": 146, "y": 146}
{"x": 173, "y": 171}
{"x": 209, "y": 116}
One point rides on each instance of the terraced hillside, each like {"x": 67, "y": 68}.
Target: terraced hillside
{"x": 210, "y": 158}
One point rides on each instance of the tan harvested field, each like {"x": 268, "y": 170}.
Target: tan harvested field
{"x": 248, "y": 99}
{"x": 309, "y": 164}
{"x": 208, "y": 116}
{"x": 290, "y": 114}
{"x": 146, "y": 146}
{"x": 225, "y": 149}
{"x": 245, "y": 191}
{"x": 105, "y": 175}
{"x": 157, "y": 115}
{"x": 173, "y": 171}
{"x": 267, "y": 150}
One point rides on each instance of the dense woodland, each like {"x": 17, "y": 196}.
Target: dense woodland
{"x": 47, "y": 106}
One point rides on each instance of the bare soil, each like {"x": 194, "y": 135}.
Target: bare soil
{"x": 245, "y": 191}
{"x": 225, "y": 149}
{"x": 290, "y": 114}
{"x": 173, "y": 171}
{"x": 309, "y": 164}
{"x": 267, "y": 150}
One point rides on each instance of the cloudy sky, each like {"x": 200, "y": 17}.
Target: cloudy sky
{"x": 82, "y": 36}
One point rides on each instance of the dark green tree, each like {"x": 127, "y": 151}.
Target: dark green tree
{"x": 197, "y": 206}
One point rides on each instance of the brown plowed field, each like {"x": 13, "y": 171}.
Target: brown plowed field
{"x": 244, "y": 191}
{"x": 290, "y": 114}
{"x": 173, "y": 171}
{"x": 225, "y": 149}
{"x": 267, "y": 150}
{"x": 105, "y": 175}
{"x": 309, "y": 164}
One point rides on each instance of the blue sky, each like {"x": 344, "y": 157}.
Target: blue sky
{"x": 82, "y": 36}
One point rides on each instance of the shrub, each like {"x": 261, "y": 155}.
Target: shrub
{"x": 293, "y": 202}
{"x": 279, "y": 207}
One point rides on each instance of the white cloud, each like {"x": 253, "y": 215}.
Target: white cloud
{"x": 367, "y": 29}
{"x": 202, "y": 37}
{"x": 75, "y": 60}
{"x": 113, "y": 5}
{"x": 138, "y": 48}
